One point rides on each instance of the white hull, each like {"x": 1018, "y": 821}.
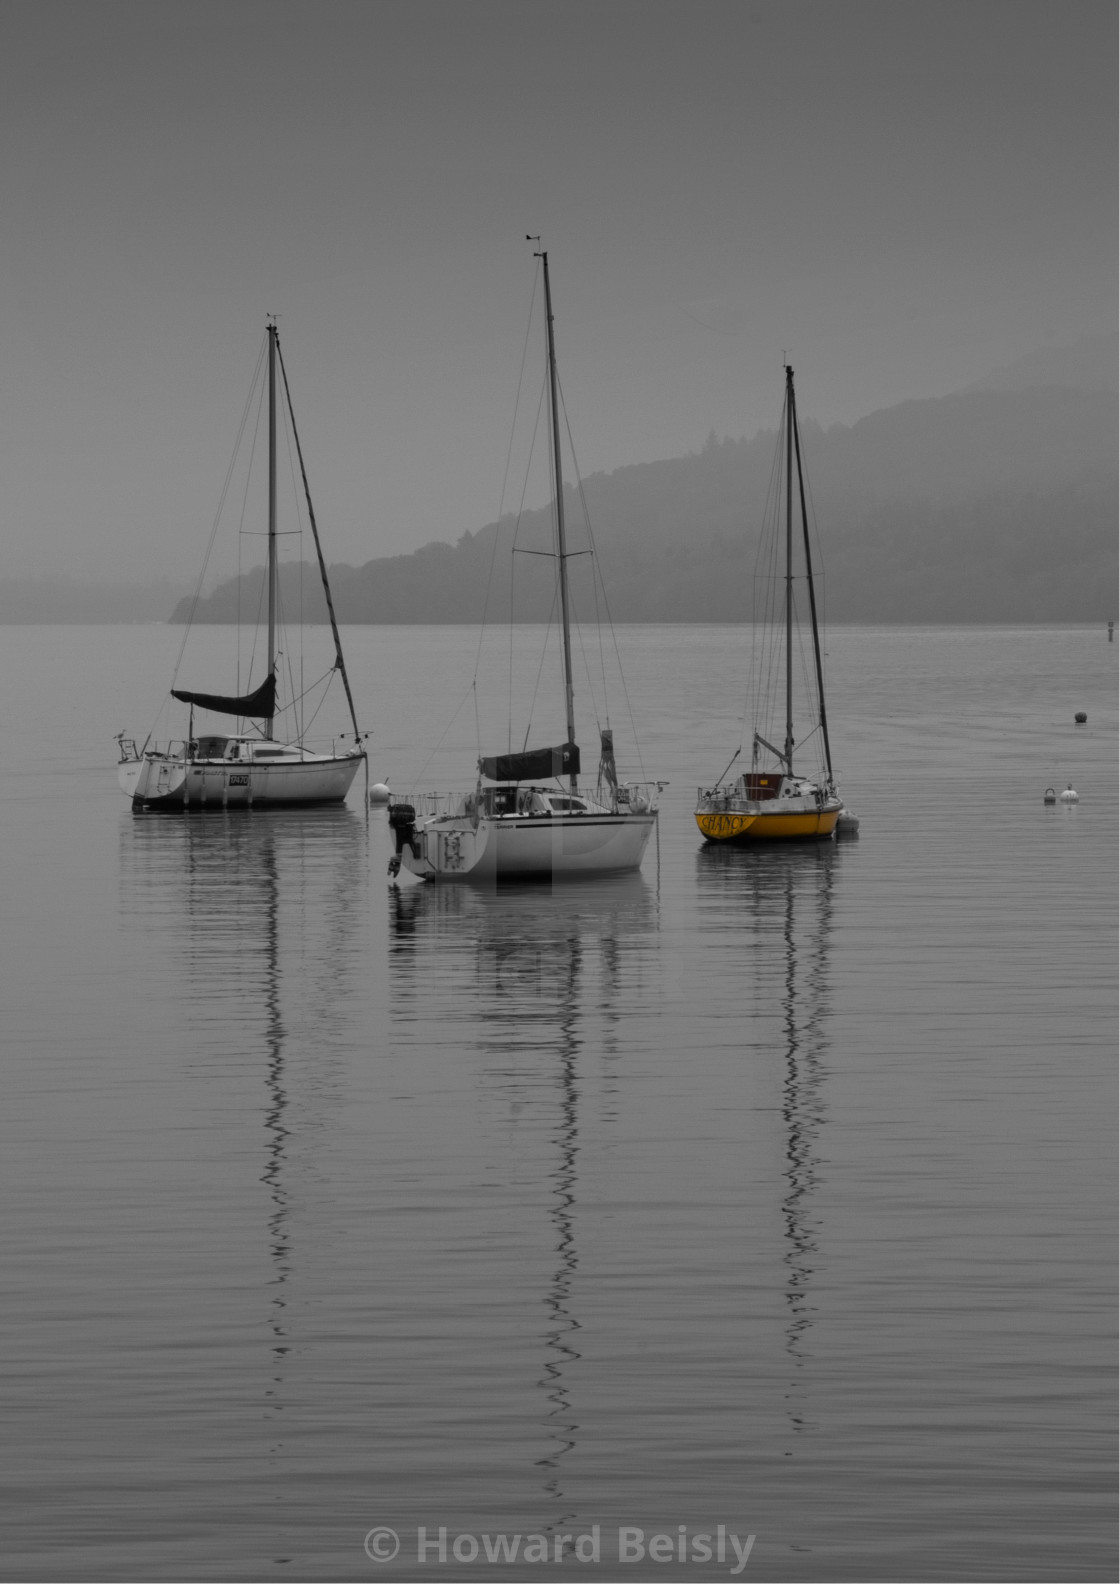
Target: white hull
{"x": 512, "y": 847}
{"x": 158, "y": 781}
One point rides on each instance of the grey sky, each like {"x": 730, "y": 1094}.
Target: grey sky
{"x": 902, "y": 194}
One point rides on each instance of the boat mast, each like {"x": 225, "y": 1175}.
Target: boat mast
{"x": 271, "y": 507}
{"x": 561, "y": 547}
{"x": 812, "y": 592}
{"x": 789, "y": 570}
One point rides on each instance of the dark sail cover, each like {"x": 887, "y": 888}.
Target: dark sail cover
{"x": 260, "y": 705}
{"x": 539, "y": 764}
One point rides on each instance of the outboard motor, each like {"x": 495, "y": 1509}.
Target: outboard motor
{"x": 402, "y": 822}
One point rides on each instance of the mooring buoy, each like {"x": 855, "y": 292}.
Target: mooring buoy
{"x": 1069, "y": 795}
{"x": 1081, "y": 717}
{"x": 378, "y": 793}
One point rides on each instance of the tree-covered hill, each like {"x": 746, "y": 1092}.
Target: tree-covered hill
{"x": 989, "y": 505}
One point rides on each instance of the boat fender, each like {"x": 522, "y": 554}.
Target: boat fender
{"x": 402, "y": 822}
{"x": 639, "y": 802}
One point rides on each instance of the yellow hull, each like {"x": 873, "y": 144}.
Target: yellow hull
{"x": 744, "y": 827}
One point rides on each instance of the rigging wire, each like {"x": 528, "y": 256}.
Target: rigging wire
{"x": 820, "y": 582}
{"x": 324, "y": 682}
{"x": 494, "y": 551}
{"x": 595, "y": 576}
{"x": 766, "y": 629}
{"x": 540, "y": 668}
{"x": 296, "y": 533}
{"x": 221, "y": 507}
{"x": 505, "y": 473}
{"x": 455, "y": 715}
{"x": 513, "y": 553}
{"x": 249, "y": 533}
{"x": 516, "y": 549}
{"x": 600, "y": 587}
{"x": 340, "y": 663}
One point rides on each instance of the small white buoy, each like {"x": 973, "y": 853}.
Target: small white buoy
{"x": 1069, "y": 795}
{"x": 1049, "y": 796}
{"x": 378, "y": 793}
{"x": 847, "y": 823}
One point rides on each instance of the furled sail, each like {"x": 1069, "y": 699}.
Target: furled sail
{"x": 539, "y": 764}
{"x": 260, "y": 705}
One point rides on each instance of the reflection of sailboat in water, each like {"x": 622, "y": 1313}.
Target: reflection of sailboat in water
{"x": 543, "y": 967}
{"x": 794, "y": 883}
{"x": 560, "y": 1339}
{"x": 275, "y": 1121}
{"x": 229, "y": 892}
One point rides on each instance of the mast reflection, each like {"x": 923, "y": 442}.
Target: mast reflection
{"x": 560, "y": 1339}
{"x": 542, "y": 971}
{"x": 244, "y": 897}
{"x": 793, "y": 884}
{"x": 276, "y": 1128}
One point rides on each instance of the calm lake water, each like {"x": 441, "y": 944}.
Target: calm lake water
{"x": 771, "y": 1190}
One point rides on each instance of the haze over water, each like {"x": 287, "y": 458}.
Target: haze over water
{"x": 766, "y": 1189}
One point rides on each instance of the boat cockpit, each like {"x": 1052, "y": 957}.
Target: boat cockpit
{"x": 240, "y": 750}
{"x": 511, "y": 802}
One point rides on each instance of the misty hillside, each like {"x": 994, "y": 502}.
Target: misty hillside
{"x": 994, "y": 504}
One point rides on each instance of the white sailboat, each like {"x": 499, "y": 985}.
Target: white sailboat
{"x": 772, "y": 801}
{"x": 252, "y": 766}
{"x": 527, "y": 816}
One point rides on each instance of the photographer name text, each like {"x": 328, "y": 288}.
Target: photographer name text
{"x": 632, "y": 1544}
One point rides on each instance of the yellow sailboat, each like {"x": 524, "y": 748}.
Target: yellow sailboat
{"x": 772, "y": 801}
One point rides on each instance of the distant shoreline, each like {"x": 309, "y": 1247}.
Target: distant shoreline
{"x": 847, "y": 621}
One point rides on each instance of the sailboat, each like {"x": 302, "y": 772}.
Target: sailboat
{"x": 773, "y": 800}
{"x": 252, "y": 766}
{"x": 527, "y": 816}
